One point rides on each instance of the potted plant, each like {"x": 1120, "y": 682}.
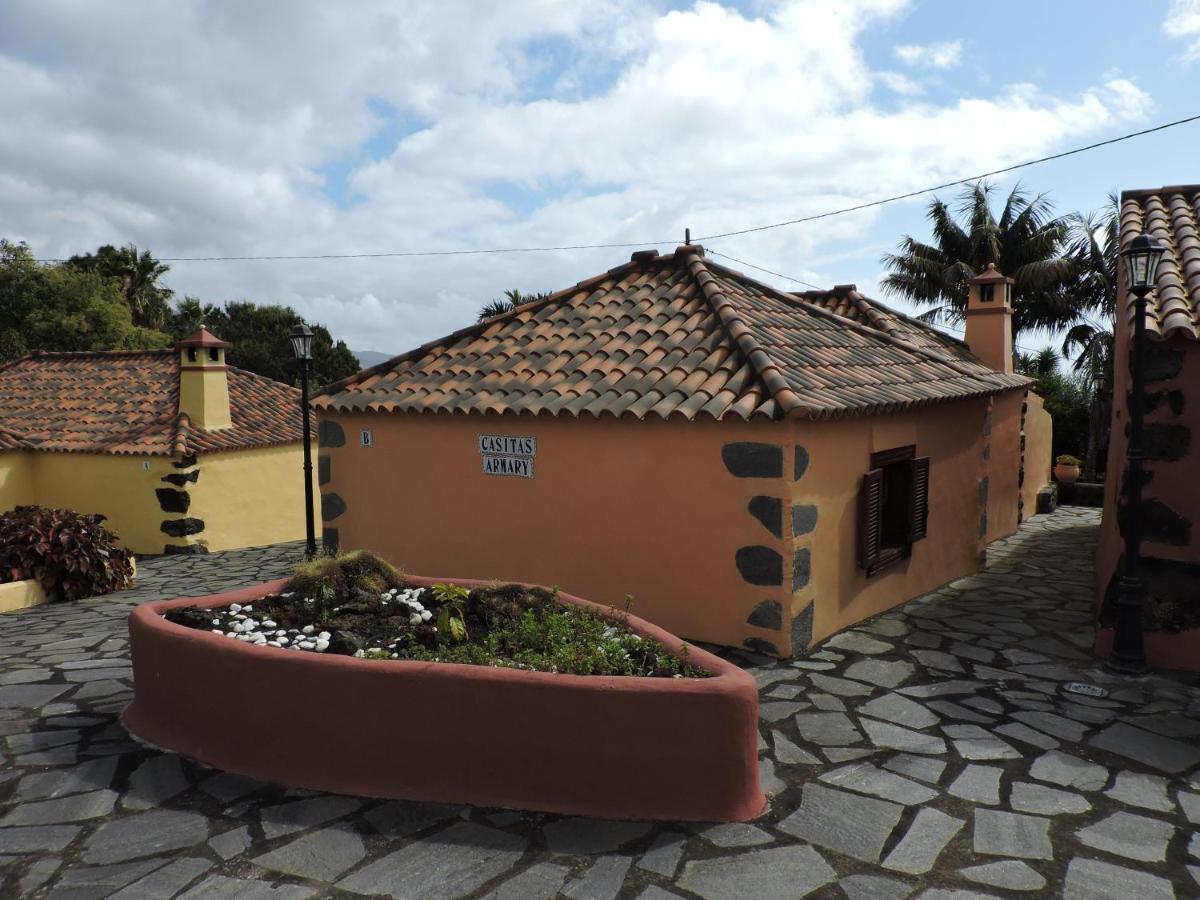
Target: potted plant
{"x": 1066, "y": 468}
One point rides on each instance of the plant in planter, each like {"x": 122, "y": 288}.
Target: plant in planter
{"x": 71, "y": 555}
{"x": 1066, "y": 468}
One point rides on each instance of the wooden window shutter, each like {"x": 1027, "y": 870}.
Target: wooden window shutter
{"x": 919, "y": 503}
{"x": 870, "y": 519}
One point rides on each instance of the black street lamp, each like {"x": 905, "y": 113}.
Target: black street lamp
{"x": 302, "y": 338}
{"x": 1128, "y": 657}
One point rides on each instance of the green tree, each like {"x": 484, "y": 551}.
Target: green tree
{"x": 139, "y": 274}
{"x": 511, "y": 300}
{"x": 1066, "y": 397}
{"x": 61, "y": 307}
{"x": 259, "y": 335}
{"x": 1026, "y": 242}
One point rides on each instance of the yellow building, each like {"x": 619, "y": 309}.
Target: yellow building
{"x": 181, "y": 452}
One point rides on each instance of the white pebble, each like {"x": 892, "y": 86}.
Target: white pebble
{"x": 426, "y": 616}
{"x": 217, "y": 631}
{"x": 414, "y": 619}
{"x": 322, "y": 646}
{"x": 308, "y": 629}
{"x": 235, "y": 607}
{"x": 307, "y": 645}
{"x": 267, "y": 623}
{"x": 216, "y": 621}
{"x": 323, "y": 636}
{"x": 282, "y": 640}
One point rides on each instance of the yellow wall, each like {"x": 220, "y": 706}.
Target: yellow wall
{"x": 648, "y": 508}
{"x": 16, "y": 479}
{"x": 1038, "y": 433}
{"x": 248, "y": 498}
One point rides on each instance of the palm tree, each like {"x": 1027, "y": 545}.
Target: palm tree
{"x": 511, "y": 300}
{"x": 139, "y": 272}
{"x": 1093, "y": 247}
{"x": 1026, "y": 243}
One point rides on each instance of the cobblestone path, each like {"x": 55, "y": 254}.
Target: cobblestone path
{"x": 932, "y": 752}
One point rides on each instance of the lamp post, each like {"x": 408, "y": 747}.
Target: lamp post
{"x": 302, "y": 337}
{"x": 1128, "y": 657}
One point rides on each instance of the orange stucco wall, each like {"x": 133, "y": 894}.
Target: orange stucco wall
{"x": 1004, "y": 465}
{"x": 649, "y": 508}
{"x": 1038, "y": 433}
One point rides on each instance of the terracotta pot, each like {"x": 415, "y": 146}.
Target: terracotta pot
{"x": 616, "y": 747}
{"x": 1066, "y": 474}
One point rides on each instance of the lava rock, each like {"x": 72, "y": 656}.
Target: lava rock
{"x": 346, "y": 643}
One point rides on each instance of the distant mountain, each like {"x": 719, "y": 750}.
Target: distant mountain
{"x": 368, "y": 358}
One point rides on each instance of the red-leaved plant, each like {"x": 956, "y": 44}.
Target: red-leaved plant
{"x": 71, "y": 555}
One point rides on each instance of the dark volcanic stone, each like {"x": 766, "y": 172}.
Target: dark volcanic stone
{"x": 179, "y": 480}
{"x": 323, "y": 466}
{"x": 329, "y": 539}
{"x": 760, "y": 565}
{"x": 769, "y": 511}
{"x": 758, "y": 645}
{"x": 801, "y": 568}
{"x": 799, "y": 463}
{"x": 1167, "y": 442}
{"x": 182, "y": 527}
{"x": 1174, "y": 400}
{"x": 768, "y": 614}
{"x": 185, "y": 462}
{"x": 171, "y": 500}
{"x": 747, "y": 459}
{"x": 1161, "y": 363}
{"x": 332, "y": 506}
{"x": 188, "y": 550}
{"x": 346, "y": 643}
{"x": 804, "y": 518}
{"x": 330, "y": 434}
{"x": 802, "y": 627}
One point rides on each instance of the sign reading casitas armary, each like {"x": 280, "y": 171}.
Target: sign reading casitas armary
{"x": 505, "y": 454}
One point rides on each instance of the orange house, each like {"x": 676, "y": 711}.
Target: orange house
{"x": 1171, "y": 490}
{"x": 754, "y": 467}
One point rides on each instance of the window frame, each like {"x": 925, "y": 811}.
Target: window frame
{"x": 874, "y": 555}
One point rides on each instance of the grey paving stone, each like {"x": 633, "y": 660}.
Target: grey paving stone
{"x": 953, "y": 894}
{"x": 788, "y": 754}
{"x": 226, "y": 786}
{"x": 974, "y": 742}
{"x": 321, "y": 855}
{"x": 1139, "y": 789}
{"x": 844, "y": 822}
{"x": 978, "y": 784}
{"x": 401, "y": 818}
{"x": 881, "y": 672}
{"x": 865, "y": 778}
{"x": 39, "y": 872}
{"x": 884, "y": 734}
{"x": 1009, "y": 873}
{"x": 587, "y": 836}
{"x": 1132, "y": 836}
{"x": 1037, "y": 798}
{"x": 602, "y": 881}
{"x": 922, "y": 768}
{"x": 157, "y": 779}
{"x": 779, "y": 873}
{"x": 74, "y": 808}
{"x": 827, "y": 703}
{"x": 786, "y": 691}
{"x": 856, "y": 642}
{"x": 1190, "y": 804}
{"x": 931, "y": 830}
{"x": 1027, "y": 735}
{"x": 41, "y": 740}
{"x": 1057, "y": 767}
{"x": 89, "y": 776}
{"x": 450, "y": 863}
{"x": 937, "y": 659}
{"x": 1194, "y": 845}
{"x": 165, "y": 882}
{"x": 899, "y": 710}
{"x": 840, "y": 687}
{"x": 288, "y": 818}
{"x": 941, "y": 688}
{"x": 222, "y": 887}
{"x": 94, "y": 882}
{"x": 30, "y": 696}
{"x": 144, "y": 834}
{"x": 1056, "y": 725}
{"x": 770, "y": 783}
{"x": 229, "y": 844}
{"x": 874, "y": 887}
{"x": 773, "y": 711}
{"x": 952, "y": 710}
{"x": 1162, "y": 753}
{"x": 540, "y": 881}
{"x": 37, "y": 838}
{"x": 1091, "y": 879}
{"x": 654, "y": 892}
{"x": 827, "y": 728}
{"x": 663, "y": 855}
{"x": 999, "y": 833}
{"x": 735, "y": 834}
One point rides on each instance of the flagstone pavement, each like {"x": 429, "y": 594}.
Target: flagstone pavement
{"x": 931, "y": 752}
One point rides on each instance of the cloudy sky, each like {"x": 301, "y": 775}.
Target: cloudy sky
{"x": 214, "y": 128}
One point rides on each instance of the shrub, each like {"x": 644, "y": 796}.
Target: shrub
{"x": 341, "y": 576}
{"x": 71, "y": 555}
{"x": 1066, "y": 459}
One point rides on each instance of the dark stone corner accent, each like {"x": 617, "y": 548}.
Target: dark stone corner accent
{"x": 179, "y": 480}
{"x": 768, "y": 614}
{"x": 185, "y": 462}
{"x": 768, "y": 511}
{"x": 760, "y": 565}
{"x": 178, "y": 528}
{"x": 802, "y": 630}
{"x": 1162, "y": 363}
{"x": 983, "y": 524}
{"x": 1160, "y": 523}
{"x": 758, "y": 645}
{"x": 332, "y": 506}
{"x": 1167, "y": 442}
{"x": 173, "y": 501}
{"x": 1170, "y": 602}
{"x": 323, "y": 470}
{"x": 185, "y": 549}
{"x": 329, "y": 540}
{"x": 1047, "y": 498}
{"x": 983, "y": 490}
{"x": 330, "y": 434}
{"x": 799, "y": 463}
{"x": 748, "y": 459}
{"x": 801, "y": 568}
{"x": 1174, "y": 400}
{"x": 987, "y": 421}
{"x": 804, "y": 518}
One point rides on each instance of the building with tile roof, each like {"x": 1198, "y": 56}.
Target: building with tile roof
{"x": 675, "y": 430}
{"x": 182, "y": 452}
{"x": 1171, "y": 491}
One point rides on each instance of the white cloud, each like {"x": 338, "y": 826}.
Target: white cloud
{"x": 1183, "y": 21}
{"x": 943, "y": 55}
{"x": 197, "y": 129}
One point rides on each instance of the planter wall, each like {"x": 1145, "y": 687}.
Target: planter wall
{"x": 16, "y": 595}
{"x": 648, "y": 748}
{"x": 1164, "y": 650}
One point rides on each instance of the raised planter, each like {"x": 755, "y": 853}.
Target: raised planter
{"x": 1164, "y": 650}
{"x": 618, "y": 747}
{"x": 15, "y": 595}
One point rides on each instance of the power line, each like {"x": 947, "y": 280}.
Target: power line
{"x": 615, "y": 246}
{"x": 742, "y": 262}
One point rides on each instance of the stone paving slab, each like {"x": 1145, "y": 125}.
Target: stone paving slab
{"x": 931, "y": 752}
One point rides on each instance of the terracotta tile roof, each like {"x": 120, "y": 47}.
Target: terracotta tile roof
{"x": 669, "y": 336}
{"x": 1171, "y": 214}
{"x": 128, "y": 402}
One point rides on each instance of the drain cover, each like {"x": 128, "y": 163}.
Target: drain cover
{"x": 1088, "y": 690}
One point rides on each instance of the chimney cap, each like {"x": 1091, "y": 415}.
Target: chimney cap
{"x": 991, "y": 275}
{"x": 203, "y": 338}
